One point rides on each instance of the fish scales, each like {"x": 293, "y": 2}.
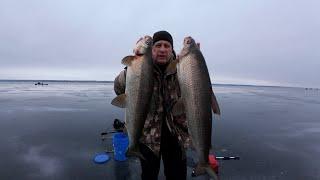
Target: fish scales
{"x": 138, "y": 92}
{"x": 195, "y": 92}
{"x": 197, "y": 101}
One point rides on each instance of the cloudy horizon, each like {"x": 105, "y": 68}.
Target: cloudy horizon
{"x": 244, "y": 42}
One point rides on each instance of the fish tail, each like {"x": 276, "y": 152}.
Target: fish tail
{"x": 204, "y": 169}
{"x": 211, "y": 173}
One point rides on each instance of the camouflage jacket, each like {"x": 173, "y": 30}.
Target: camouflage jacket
{"x": 166, "y": 92}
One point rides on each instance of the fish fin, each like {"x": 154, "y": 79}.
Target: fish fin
{"x": 211, "y": 173}
{"x": 120, "y": 101}
{"x": 178, "y": 107}
{"x": 217, "y": 116}
{"x": 135, "y": 153}
{"x": 214, "y": 104}
{"x": 127, "y": 60}
{"x": 204, "y": 169}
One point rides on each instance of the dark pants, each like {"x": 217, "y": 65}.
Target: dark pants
{"x": 175, "y": 166}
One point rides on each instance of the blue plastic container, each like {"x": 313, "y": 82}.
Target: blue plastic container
{"x": 101, "y": 158}
{"x": 120, "y": 143}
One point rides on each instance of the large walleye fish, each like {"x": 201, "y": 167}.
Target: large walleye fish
{"x": 197, "y": 99}
{"x": 138, "y": 91}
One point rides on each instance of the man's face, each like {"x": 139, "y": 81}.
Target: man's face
{"x": 161, "y": 52}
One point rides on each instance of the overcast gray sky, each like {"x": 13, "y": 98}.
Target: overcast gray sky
{"x": 264, "y": 42}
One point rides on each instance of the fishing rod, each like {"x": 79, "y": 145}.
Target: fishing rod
{"x": 228, "y": 158}
{"x": 117, "y": 125}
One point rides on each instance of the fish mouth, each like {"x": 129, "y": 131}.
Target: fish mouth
{"x": 142, "y": 44}
{"x": 148, "y": 40}
{"x": 188, "y": 40}
{"x": 145, "y": 41}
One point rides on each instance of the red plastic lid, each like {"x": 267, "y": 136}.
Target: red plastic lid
{"x": 213, "y": 163}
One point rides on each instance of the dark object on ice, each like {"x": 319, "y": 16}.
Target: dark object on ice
{"x": 118, "y": 125}
{"x": 103, "y": 135}
{"x": 40, "y": 83}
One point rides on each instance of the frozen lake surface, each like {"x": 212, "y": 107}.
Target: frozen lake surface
{"x": 53, "y": 132}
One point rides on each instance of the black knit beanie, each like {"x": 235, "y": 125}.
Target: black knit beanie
{"x": 164, "y": 35}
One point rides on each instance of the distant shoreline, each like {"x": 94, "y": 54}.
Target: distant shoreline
{"x": 38, "y": 80}
{"x": 94, "y": 81}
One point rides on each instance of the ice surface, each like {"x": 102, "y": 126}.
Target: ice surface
{"x": 53, "y": 132}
